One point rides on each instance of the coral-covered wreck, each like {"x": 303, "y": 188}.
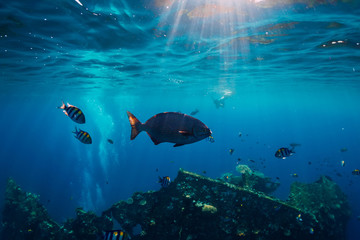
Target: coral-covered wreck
{"x": 193, "y": 207}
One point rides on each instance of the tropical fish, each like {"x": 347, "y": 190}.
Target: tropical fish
{"x": 284, "y": 153}
{"x": 295, "y": 175}
{"x": 115, "y": 235}
{"x": 164, "y": 181}
{"x": 83, "y": 136}
{"x": 110, "y": 141}
{"x": 171, "y": 127}
{"x": 342, "y": 163}
{"x": 231, "y": 151}
{"x": 356, "y": 172}
{"x": 73, "y": 112}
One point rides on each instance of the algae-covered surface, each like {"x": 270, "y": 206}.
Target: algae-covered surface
{"x": 191, "y": 207}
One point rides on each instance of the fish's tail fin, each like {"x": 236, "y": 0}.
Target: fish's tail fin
{"x": 136, "y": 125}
{"x": 62, "y": 106}
{"x": 75, "y": 130}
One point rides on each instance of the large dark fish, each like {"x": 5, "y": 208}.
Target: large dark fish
{"x": 83, "y": 136}
{"x": 73, "y": 112}
{"x": 171, "y": 127}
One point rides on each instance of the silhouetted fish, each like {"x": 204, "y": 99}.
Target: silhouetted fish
{"x": 171, "y": 127}
{"x": 194, "y": 112}
{"x": 110, "y": 141}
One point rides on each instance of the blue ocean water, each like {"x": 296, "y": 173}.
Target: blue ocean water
{"x": 289, "y": 71}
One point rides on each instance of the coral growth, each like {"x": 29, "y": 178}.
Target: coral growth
{"x": 192, "y": 207}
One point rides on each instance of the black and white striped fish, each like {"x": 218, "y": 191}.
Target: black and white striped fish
{"x": 83, "y": 136}
{"x": 284, "y": 153}
{"x": 116, "y": 235}
{"x": 164, "y": 181}
{"x": 73, "y": 112}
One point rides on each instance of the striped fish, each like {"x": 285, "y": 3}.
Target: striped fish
{"x": 116, "y": 235}
{"x": 83, "y": 136}
{"x": 73, "y": 112}
{"x": 284, "y": 153}
{"x": 164, "y": 181}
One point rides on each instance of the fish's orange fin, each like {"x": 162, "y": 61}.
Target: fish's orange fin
{"x": 135, "y": 125}
{"x": 62, "y": 106}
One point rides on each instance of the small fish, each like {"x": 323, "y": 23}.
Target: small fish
{"x": 156, "y": 170}
{"x": 342, "y": 163}
{"x": 164, "y": 181}
{"x": 194, "y": 112}
{"x": 211, "y": 139}
{"x": 284, "y": 153}
{"x": 73, "y": 112}
{"x": 220, "y": 103}
{"x": 311, "y": 231}
{"x": 295, "y": 175}
{"x": 115, "y": 235}
{"x": 231, "y": 151}
{"x": 298, "y": 218}
{"x": 204, "y": 172}
{"x": 295, "y": 145}
{"x": 250, "y": 160}
{"x": 356, "y": 172}
{"x": 309, "y": 163}
{"x": 83, "y": 136}
{"x": 343, "y": 149}
{"x": 277, "y": 178}
{"x": 110, "y": 141}
{"x": 170, "y": 127}
{"x": 240, "y": 134}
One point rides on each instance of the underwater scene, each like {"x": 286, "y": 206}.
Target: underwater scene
{"x": 177, "y": 119}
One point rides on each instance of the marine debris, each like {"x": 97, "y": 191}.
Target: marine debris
{"x": 193, "y": 207}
